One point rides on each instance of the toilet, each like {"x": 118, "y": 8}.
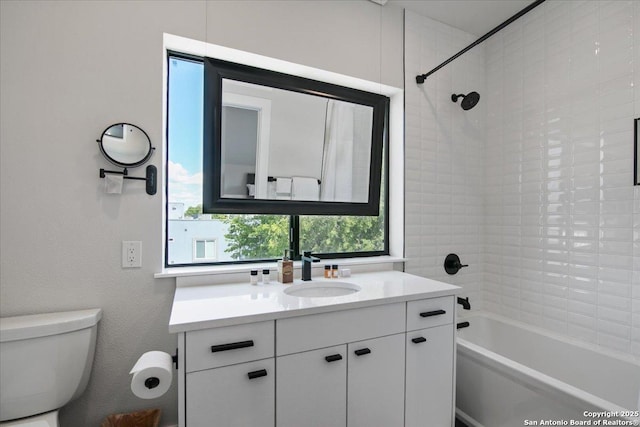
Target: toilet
{"x": 45, "y": 362}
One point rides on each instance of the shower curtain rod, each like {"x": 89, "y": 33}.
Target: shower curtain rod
{"x": 422, "y": 77}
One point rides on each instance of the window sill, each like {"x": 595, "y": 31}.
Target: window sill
{"x": 245, "y": 268}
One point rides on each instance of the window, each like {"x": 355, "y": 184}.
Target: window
{"x": 234, "y": 238}
{"x": 205, "y": 250}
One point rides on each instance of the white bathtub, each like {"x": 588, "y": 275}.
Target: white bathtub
{"x": 510, "y": 374}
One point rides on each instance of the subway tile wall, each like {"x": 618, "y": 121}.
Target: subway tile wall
{"x": 444, "y": 146}
{"x": 561, "y": 239}
{"x": 557, "y": 238}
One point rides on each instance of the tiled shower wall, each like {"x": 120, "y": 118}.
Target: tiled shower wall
{"x": 444, "y": 160}
{"x": 562, "y": 218}
{"x": 533, "y": 187}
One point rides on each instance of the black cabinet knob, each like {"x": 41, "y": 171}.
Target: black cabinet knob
{"x": 432, "y": 313}
{"x": 362, "y": 351}
{"x": 231, "y": 346}
{"x": 418, "y": 340}
{"x": 257, "y": 374}
{"x": 333, "y": 358}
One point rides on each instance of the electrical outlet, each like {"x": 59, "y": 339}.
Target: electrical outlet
{"x": 131, "y": 254}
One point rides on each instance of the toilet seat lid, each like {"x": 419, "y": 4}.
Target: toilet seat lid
{"x": 50, "y": 419}
{"x": 41, "y": 325}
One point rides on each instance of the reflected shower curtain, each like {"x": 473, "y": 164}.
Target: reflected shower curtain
{"x": 337, "y": 157}
{"x": 347, "y": 152}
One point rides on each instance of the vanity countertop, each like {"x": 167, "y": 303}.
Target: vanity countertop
{"x": 210, "y": 306}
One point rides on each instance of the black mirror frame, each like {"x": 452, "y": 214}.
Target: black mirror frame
{"x": 636, "y": 152}
{"x": 212, "y": 201}
{"x": 141, "y": 162}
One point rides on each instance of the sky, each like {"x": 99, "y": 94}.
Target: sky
{"x": 186, "y": 80}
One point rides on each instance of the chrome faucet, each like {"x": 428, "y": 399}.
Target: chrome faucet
{"x": 307, "y": 259}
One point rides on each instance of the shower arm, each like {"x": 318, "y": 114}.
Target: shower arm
{"x": 422, "y": 77}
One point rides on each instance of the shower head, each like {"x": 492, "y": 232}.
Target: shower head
{"x": 469, "y": 100}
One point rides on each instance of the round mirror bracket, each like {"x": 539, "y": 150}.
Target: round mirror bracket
{"x": 119, "y": 147}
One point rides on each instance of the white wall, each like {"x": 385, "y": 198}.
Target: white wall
{"x": 562, "y": 217}
{"x": 68, "y": 69}
{"x": 444, "y": 155}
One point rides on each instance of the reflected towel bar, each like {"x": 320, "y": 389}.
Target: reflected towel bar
{"x": 150, "y": 179}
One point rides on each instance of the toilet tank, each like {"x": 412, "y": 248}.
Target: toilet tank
{"x": 45, "y": 360}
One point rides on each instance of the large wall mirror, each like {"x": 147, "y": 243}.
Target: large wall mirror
{"x": 636, "y": 154}
{"x": 281, "y": 144}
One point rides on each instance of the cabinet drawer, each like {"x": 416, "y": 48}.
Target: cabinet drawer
{"x": 304, "y": 333}
{"x": 212, "y": 348}
{"x": 431, "y": 312}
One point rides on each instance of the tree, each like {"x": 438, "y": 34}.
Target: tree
{"x": 193, "y": 211}
{"x": 256, "y": 236}
{"x": 266, "y": 236}
{"x": 337, "y": 234}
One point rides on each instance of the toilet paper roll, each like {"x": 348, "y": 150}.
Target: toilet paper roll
{"x": 152, "y": 375}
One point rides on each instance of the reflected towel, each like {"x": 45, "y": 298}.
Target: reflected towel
{"x": 283, "y": 185}
{"x": 304, "y": 188}
{"x": 113, "y": 183}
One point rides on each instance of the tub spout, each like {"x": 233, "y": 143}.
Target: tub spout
{"x": 464, "y": 302}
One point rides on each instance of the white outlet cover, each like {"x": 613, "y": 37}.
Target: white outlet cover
{"x": 131, "y": 254}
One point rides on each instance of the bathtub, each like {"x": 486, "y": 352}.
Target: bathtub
{"x": 510, "y": 374}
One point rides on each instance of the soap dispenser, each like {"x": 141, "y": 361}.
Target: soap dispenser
{"x": 285, "y": 268}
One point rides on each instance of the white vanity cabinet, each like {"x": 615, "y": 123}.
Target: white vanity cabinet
{"x": 359, "y": 382}
{"x": 385, "y": 363}
{"x": 430, "y": 351}
{"x": 230, "y": 376}
{"x": 375, "y": 382}
{"x": 312, "y": 388}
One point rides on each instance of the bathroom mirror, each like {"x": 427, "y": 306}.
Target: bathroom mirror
{"x": 636, "y": 154}
{"x": 125, "y": 145}
{"x": 282, "y": 144}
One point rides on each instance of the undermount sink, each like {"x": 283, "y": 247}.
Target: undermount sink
{"x": 322, "y": 289}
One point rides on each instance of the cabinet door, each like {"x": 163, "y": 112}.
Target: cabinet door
{"x": 375, "y": 391}
{"x": 240, "y": 395}
{"x": 429, "y": 383}
{"x": 312, "y": 388}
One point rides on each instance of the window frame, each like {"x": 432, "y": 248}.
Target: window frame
{"x": 215, "y": 71}
{"x": 294, "y": 219}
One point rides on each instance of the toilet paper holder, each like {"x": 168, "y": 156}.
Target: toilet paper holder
{"x": 153, "y": 382}
{"x": 174, "y": 358}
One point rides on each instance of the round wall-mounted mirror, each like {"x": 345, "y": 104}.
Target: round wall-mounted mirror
{"x": 125, "y": 145}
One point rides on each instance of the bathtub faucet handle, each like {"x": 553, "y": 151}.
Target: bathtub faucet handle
{"x": 452, "y": 264}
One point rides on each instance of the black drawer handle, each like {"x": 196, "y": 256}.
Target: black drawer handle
{"x": 333, "y": 358}
{"x": 432, "y": 313}
{"x": 362, "y": 352}
{"x": 257, "y": 374}
{"x": 231, "y": 346}
{"x": 418, "y": 340}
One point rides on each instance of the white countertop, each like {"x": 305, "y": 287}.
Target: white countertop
{"x": 202, "y": 307}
